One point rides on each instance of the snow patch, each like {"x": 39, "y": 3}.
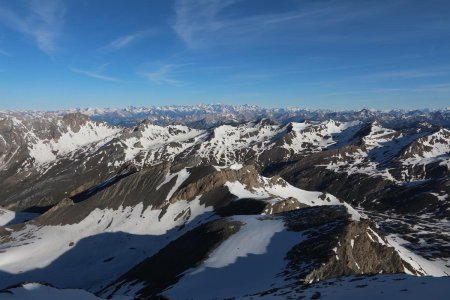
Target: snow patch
{"x": 417, "y": 262}
{"x": 181, "y": 177}
{"x": 252, "y": 238}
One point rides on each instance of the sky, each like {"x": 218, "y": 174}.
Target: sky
{"x": 343, "y": 54}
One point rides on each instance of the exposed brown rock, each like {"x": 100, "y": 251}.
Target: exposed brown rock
{"x": 247, "y": 175}
{"x": 283, "y": 205}
{"x": 359, "y": 251}
{"x": 75, "y": 120}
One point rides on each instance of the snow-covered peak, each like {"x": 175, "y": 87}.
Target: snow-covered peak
{"x": 431, "y": 148}
{"x": 317, "y": 136}
{"x": 46, "y": 150}
{"x": 378, "y": 135}
{"x": 156, "y": 143}
{"x": 230, "y": 144}
{"x": 33, "y": 142}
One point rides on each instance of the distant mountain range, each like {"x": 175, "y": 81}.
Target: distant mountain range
{"x": 220, "y": 202}
{"x": 208, "y": 115}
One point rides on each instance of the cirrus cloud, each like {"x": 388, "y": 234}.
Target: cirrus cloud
{"x": 43, "y": 21}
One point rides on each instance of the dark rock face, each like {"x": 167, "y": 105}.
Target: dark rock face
{"x": 247, "y": 176}
{"x": 358, "y": 251}
{"x": 369, "y": 191}
{"x": 75, "y": 121}
{"x": 336, "y": 247}
{"x": 128, "y": 191}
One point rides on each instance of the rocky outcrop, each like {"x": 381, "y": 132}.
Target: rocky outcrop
{"x": 247, "y": 176}
{"x": 75, "y": 121}
{"x": 283, "y": 206}
{"x": 360, "y": 250}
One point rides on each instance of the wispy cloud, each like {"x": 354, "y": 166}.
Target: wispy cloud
{"x": 42, "y": 20}
{"x": 196, "y": 18}
{"x": 412, "y": 73}
{"x": 202, "y": 23}
{"x": 97, "y": 73}
{"x": 162, "y": 75}
{"x": 129, "y": 39}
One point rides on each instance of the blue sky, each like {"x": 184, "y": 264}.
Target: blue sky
{"x": 316, "y": 54}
